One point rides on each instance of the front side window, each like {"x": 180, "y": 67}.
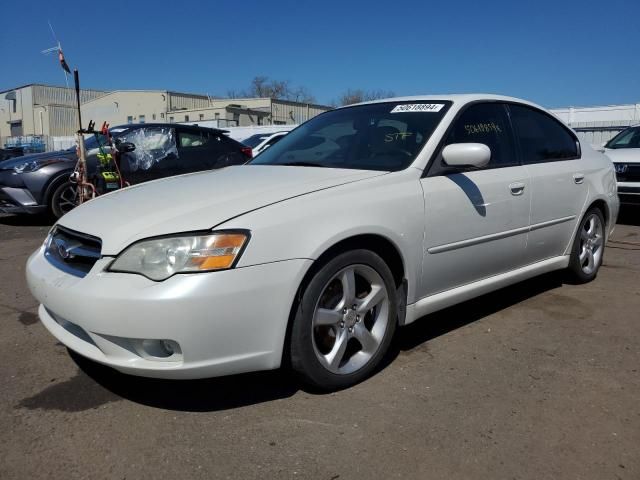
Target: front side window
{"x": 486, "y": 123}
{"x": 381, "y": 136}
{"x": 629, "y": 138}
{"x": 542, "y": 138}
{"x": 152, "y": 146}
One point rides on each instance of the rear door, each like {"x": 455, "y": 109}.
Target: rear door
{"x": 476, "y": 220}
{"x": 551, "y": 155}
{"x": 205, "y": 150}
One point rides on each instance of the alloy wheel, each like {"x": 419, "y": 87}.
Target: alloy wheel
{"x": 591, "y": 244}
{"x": 350, "y": 319}
{"x": 68, "y": 199}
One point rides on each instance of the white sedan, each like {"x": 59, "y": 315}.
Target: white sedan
{"x": 262, "y": 141}
{"x": 624, "y": 152}
{"x": 363, "y": 219}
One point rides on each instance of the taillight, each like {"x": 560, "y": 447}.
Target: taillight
{"x": 247, "y": 151}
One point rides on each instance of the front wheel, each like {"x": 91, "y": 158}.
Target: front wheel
{"x": 64, "y": 199}
{"x": 588, "y": 247}
{"x": 345, "y": 321}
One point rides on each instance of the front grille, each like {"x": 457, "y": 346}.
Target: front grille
{"x": 627, "y": 172}
{"x": 72, "y": 252}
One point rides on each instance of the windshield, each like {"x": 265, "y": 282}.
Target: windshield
{"x": 91, "y": 142}
{"x": 381, "y": 136}
{"x": 254, "y": 140}
{"x": 629, "y": 138}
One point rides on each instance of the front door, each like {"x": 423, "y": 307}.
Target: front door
{"x": 476, "y": 221}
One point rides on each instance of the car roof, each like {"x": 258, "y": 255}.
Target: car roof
{"x": 455, "y": 98}
{"x": 193, "y": 128}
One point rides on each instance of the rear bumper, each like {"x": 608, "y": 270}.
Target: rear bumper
{"x": 18, "y": 200}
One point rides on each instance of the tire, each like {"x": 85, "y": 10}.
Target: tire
{"x": 62, "y": 199}
{"x": 588, "y": 247}
{"x": 344, "y": 322}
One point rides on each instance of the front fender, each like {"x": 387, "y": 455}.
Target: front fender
{"x": 390, "y": 206}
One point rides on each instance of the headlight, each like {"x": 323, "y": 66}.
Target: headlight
{"x": 160, "y": 258}
{"x": 33, "y": 165}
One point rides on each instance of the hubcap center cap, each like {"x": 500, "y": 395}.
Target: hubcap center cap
{"x": 350, "y": 318}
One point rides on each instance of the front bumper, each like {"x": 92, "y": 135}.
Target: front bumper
{"x": 223, "y": 323}
{"x": 18, "y": 200}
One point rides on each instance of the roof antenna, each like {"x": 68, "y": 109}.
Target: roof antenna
{"x": 58, "y": 49}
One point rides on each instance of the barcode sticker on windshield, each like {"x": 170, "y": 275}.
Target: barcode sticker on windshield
{"x": 418, "y": 107}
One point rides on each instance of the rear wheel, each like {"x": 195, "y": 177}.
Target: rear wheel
{"x": 64, "y": 199}
{"x": 588, "y": 247}
{"x": 345, "y": 321}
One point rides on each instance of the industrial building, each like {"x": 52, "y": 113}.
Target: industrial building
{"x": 597, "y": 125}
{"x": 127, "y": 106}
{"x": 33, "y": 116}
{"x": 40, "y": 110}
{"x": 37, "y": 115}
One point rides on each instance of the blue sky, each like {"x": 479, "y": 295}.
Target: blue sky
{"x": 556, "y": 53}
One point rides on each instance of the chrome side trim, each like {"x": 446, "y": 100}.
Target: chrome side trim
{"x": 475, "y": 241}
{"x": 549, "y": 223}
{"x": 497, "y": 236}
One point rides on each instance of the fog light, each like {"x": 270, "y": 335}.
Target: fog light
{"x": 168, "y": 345}
{"x": 160, "y": 349}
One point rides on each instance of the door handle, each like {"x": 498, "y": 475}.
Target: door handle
{"x": 578, "y": 178}
{"x": 517, "y": 188}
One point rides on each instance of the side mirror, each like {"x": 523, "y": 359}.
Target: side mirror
{"x": 466, "y": 155}
{"x": 125, "y": 147}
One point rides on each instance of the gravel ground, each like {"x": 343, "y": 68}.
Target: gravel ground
{"x": 537, "y": 381}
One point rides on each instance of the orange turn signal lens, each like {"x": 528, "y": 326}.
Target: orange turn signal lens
{"x": 219, "y": 252}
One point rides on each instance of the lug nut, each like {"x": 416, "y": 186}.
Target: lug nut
{"x": 350, "y": 329}
{"x": 354, "y": 307}
{"x": 357, "y": 318}
{"x": 344, "y": 310}
{"x": 341, "y": 324}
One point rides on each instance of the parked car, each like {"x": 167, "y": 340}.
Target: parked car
{"x": 262, "y": 141}
{"x": 10, "y": 152}
{"x": 624, "y": 152}
{"x": 362, "y": 219}
{"x": 40, "y": 183}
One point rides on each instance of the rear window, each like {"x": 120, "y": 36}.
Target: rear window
{"x": 381, "y": 136}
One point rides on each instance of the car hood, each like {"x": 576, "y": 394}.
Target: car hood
{"x": 197, "y": 201}
{"x": 12, "y": 162}
{"x": 623, "y": 155}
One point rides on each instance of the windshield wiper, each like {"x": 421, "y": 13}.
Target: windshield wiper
{"x": 301, "y": 164}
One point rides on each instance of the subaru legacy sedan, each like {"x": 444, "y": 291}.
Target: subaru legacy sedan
{"x": 361, "y": 220}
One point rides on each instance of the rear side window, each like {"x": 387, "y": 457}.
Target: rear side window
{"x": 542, "y": 138}
{"x": 486, "y": 123}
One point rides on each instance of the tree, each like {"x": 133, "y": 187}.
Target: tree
{"x": 264, "y": 87}
{"x": 359, "y": 95}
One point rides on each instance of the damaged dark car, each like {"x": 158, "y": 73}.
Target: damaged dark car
{"x": 40, "y": 183}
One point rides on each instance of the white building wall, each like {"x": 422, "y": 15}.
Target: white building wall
{"x": 626, "y": 114}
